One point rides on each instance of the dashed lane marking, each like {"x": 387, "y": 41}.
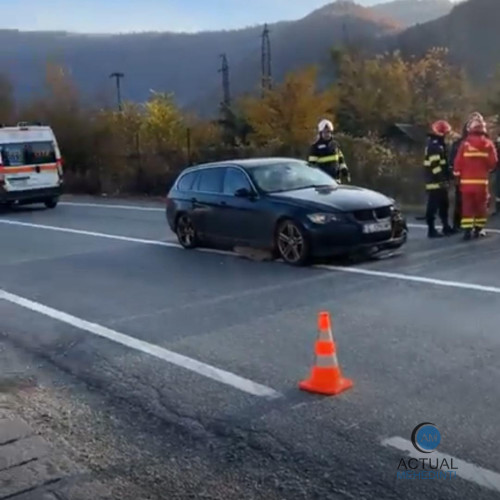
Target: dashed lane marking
{"x": 465, "y": 470}
{"x": 351, "y": 270}
{"x": 203, "y": 369}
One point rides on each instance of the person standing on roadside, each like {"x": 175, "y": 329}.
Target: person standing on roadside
{"x": 457, "y": 212}
{"x": 326, "y": 154}
{"x": 437, "y": 178}
{"x": 476, "y": 158}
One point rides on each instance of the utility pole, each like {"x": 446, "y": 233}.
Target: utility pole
{"x": 118, "y": 77}
{"x": 266, "y": 77}
{"x": 226, "y": 91}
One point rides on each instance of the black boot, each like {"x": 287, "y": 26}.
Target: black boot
{"x": 448, "y": 230}
{"x": 467, "y": 234}
{"x": 432, "y": 233}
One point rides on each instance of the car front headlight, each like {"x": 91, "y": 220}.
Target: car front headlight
{"x": 323, "y": 218}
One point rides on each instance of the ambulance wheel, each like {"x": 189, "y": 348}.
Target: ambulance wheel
{"x": 51, "y": 203}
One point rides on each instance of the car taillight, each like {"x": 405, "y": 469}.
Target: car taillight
{"x": 59, "y": 164}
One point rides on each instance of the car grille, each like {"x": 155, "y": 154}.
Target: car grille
{"x": 372, "y": 215}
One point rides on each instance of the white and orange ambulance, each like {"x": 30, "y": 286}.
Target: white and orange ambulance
{"x": 30, "y": 166}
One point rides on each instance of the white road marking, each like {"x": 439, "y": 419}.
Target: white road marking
{"x": 465, "y": 470}
{"x": 410, "y": 277}
{"x": 424, "y": 226}
{"x": 222, "y": 376}
{"x": 352, "y": 270}
{"x": 110, "y": 206}
{"x": 91, "y": 233}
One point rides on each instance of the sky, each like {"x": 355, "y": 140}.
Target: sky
{"x": 113, "y": 16}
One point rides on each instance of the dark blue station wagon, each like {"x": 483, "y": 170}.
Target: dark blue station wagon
{"x": 283, "y": 205}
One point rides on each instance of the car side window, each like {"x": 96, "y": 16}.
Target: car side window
{"x": 186, "y": 182}
{"x": 233, "y": 180}
{"x": 210, "y": 180}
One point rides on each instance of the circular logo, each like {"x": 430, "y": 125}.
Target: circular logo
{"x": 426, "y": 437}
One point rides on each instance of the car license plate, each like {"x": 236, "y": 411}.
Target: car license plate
{"x": 377, "y": 227}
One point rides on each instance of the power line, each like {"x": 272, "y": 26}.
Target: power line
{"x": 266, "y": 62}
{"x": 118, "y": 76}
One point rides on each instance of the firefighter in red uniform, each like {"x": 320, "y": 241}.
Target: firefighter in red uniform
{"x": 476, "y": 158}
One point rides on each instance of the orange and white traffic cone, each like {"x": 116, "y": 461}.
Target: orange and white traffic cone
{"x": 326, "y": 376}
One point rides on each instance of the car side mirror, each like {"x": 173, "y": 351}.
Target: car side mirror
{"x": 243, "y": 193}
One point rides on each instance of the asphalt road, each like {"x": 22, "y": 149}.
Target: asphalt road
{"x": 418, "y": 333}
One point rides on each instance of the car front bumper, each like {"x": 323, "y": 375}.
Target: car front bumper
{"x": 30, "y": 195}
{"x": 347, "y": 238}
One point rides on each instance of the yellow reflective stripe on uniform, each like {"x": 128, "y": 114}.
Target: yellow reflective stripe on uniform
{"x": 467, "y": 223}
{"x": 475, "y": 182}
{"x": 312, "y": 158}
{"x": 427, "y": 163}
{"x": 443, "y": 162}
{"x": 435, "y": 158}
{"x": 437, "y": 170}
{"x": 476, "y": 154}
{"x": 433, "y": 186}
{"x": 326, "y": 159}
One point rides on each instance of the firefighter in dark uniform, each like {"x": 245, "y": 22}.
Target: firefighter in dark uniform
{"x": 326, "y": 154}
{"x": 437, "y": 178}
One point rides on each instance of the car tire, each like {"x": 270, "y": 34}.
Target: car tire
{"x": 186, "y": 232}
{"x": 51, "y": 203}
{"x": 291, "y": 243}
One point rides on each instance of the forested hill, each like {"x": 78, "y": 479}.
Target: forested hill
{"x": 187, "y": 64}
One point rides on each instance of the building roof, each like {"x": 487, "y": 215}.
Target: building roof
{"x": 414, "y": 133}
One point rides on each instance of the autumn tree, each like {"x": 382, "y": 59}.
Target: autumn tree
{"x": 287, "y": 115}
{"x": 438, "y": 89}
{"x": 373, "y": 92}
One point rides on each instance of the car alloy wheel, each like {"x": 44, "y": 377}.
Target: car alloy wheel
{"x": 186, "y": 232}
{"x": 291, "y": 243}
{"x": 51, "y": 203}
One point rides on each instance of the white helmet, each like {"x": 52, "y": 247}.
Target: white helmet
{"x": 325, "y": 124}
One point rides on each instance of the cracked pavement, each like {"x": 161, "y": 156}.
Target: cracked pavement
{"x": 135, "y": 426}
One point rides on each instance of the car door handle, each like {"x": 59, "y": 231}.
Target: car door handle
{"x": 223, "y": 203}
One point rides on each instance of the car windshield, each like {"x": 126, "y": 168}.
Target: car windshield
{"x": 289, "y": 176}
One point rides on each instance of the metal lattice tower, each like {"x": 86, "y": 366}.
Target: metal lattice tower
{"x": 118, "y": 76}
{"x": 226, "y": 89}
{"x": 266, "y": 75}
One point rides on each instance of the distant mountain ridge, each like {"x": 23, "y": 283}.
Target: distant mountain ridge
{"x": 410, "y": 12}
{"x": 187, "y": 64}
